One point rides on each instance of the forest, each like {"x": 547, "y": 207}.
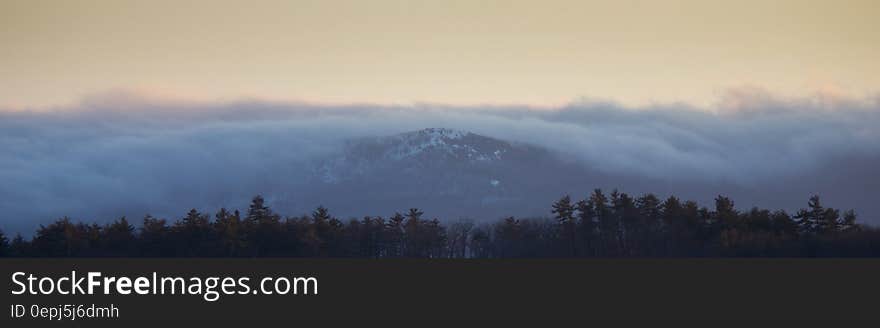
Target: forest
{"x": 600, "y": 225}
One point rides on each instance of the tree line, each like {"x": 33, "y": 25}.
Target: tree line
{"x": 600, "y": 225}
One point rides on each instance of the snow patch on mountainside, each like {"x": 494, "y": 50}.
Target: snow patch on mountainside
{"x": 426, "y": 147}
{"x": 432, "y": 139}
{"x": 455, "y": 143}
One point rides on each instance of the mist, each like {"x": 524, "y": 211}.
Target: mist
{"x": 122, "y": 154}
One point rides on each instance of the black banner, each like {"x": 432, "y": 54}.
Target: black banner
{"x": 450, "y": 292}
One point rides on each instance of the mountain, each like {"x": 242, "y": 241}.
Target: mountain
{"x": 426, "y": 153}
{"x": 448, "y": 173}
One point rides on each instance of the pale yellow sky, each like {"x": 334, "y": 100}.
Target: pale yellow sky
{"x": 544, "y": 52}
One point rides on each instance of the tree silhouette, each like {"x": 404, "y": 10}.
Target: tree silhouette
{"x": 57, "y": 239}
{"x": 564, "y": 212}
{"x": 194, "y": 234}
{"x": 20, "y": 247}
{"x": 154, "y": 237}
{"x": 394, "y": 231}
{"x": 808, "y": 219}
{"x": 608, "y": 224}
{"x": 229, "y": 232}
{"x": 848, "y": 223}
{"x": 458, "y": 235}
{"x": 598, "y": 226}
{"x": 587, "y": 226}
{"x": 4, "y": 245}
{"x": 118, "y": 238}
{"x": 262, "y": 228}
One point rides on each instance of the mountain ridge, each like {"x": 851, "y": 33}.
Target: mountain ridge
{"x": 444, "y": 170}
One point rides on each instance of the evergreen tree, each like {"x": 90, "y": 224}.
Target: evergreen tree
{"x": 323, "y": 237}
{"x": 808, "y": 219}
{"x": 321, "y": 215}
{"x": 608, "y": 224}
{"x": 598, "y": 226}
{"x": 4, "y": 245}
{"x": 629, "y": 223}
{"x": 783, "y": 224}
{"x": 257, "y": 210}
{"x": 56, "y": 239}
{"x": 395, "y": 233}
{"x": 228, "y": 229}
{"x": 364, "y": 233}
{"x": 563, "y": 209}
{"x": 829, "y": 221}
{"x": 674, "y": 229}
{"x": 804, "y": 221}
{"x": 725, "y": 213}
{"x": 413, "y": 239}
{"x": 651, "y": 214}
{"x": 262, "y": 228}
{"x": 564, "y": 212}
{"x": 20, "y": 247}
{"x": 194, "y": 234}
{"x": 848, "y": 223}
{"x": 587, "y": 226}
{"x": 154, "y": 237}
{"x": 435, "y": 235}
{"x": 119, "y": 238}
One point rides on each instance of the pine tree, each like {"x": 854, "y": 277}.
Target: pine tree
{"x": 509, "y": 237}
{"x": 119, "y": 237}
{"x": 194, "y": 220}
{"x": 394, "y": 232}
{"x": 436, "y": 238}
{"x": 363, "y": 234}
{"x": 228, "y": 229}
{"x": 154, "y": 237}
{"x": 829, "y": 221}
{"x": 321, "y": 215}
{"x": 607, "y": 223}
{"x": 587, "y": 224}
{"x": 630, "y": 223}
{"x": 193, "y": 233}
{"x": 804, "y": 221}
{"x": 808, "y": 219}
{"x": 563, "y": 209}
{"x": 258, "y": 211}
{"x": 621, "y": 227}
{"x": 725, "y": 213}
{"x": 651, "y": 214}
{"x": 4, "y": 245}
{"x": 321, "y": 237}
{"x": 414, "y": 241}
{"x": 20, "y": 247}
{"x": 414, "y": 214}
{"x": 564, "y": 212}
{"x": 783, "y": 225}
{"x": 262, "y": 228}
{"x": 848, "y": 223}
{"x": 56, "y": 239}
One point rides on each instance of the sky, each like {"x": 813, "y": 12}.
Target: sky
{"x": 539, "y": 53}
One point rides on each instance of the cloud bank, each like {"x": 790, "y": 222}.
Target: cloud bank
{"x": 123, "y": 154}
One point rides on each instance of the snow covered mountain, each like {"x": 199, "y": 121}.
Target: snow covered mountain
{"x": 449, "y": 173}
{"x": 431, "y": 149}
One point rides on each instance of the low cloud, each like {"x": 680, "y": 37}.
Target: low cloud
{"x": 123, "y": 154}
